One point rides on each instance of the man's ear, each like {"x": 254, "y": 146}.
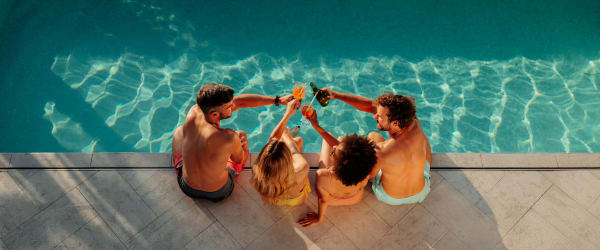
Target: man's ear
{"x": 215, "y": 115}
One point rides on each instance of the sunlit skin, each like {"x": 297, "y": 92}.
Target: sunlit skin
{"x": 204, "y": 163}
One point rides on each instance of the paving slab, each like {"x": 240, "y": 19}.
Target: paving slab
{"x": 50, "y": 160}
{"x": 244, "y": 219}
{"x": 450, "y": 242}
{"x": 5, "y": 160}
{"x": 275, "y": 212}
{"x": 512, "y": 197}
{"x": 528, "y": 160}
{"x": 2, "y": 246}
{"x": 472, "y": 183}
{"x": 390, "y": 214}
{"x": 16, "y": 206}
{"x": 581, "y": 185}
{"x": 131, "y": 160}
{"x": 214, "y": 237}
{"x": 335, "y": 239}
{"x": 54, "y": 224}
{"x": 288, "y": 234}
{"x": 449, "y": 160}
{"x": 533, "y": 232}
{"x": 175, "y": 228}
{"x": 117, "y": 203}
{"x": 570, "y": 218}
{"x": 595, "y": 208}
{"x": 359, "y": 223}
{"x": 418, "y": 230}
{"x": 161, "y": 191}
{"x": 460, "y": 216}
{"x": 578, "y": 160}
{"x": 46, "y": 186}
{"x": 94, "y": 235}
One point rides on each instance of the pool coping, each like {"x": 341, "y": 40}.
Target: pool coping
{"x": 163, "y": 160}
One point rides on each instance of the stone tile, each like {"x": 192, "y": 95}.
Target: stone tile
{"x": 5, "y": 160}
{"x": 449, "y": 160}
{"x": 50, "y": 227}
{"x": 578, "y": 160}
{"x": 595, "y": 208}
{"x": 138, "y": 177}
{"x": 134, "y": 160}
{"x": 582, "y": 186}
{"x": 160, "y": 191}
{"x": 16, "y": 206}
{"x": 460, "y": 216}
{"x": 175, "y": 228}
{"x": 117, "y": 203}
{"x": 334, "y": 239}
{"x": 359, "y": 223}
{"x": 418, "y": 230}
{"x": 436, "y": 179}
{"x": 2, "y": 246}
{"x": 568, "y": 217}
{"x": 512, "y": 197}
{"x": 244, "y": 219}
{"x": 51, "y": 160}
{"x": 288, "y": 234}
{"x": 519, "y": 160}
{"x": 533, "y": 232}
{"x": 214, "y": 237}
{"x": 94, "y": 235}
{"x": 390, "y": 214}
{"x": 450, "y": 242}
{"x": 472, "y": 184}
{"x": 46, "y": 186}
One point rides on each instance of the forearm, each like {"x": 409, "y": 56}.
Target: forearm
{"x": 278, "y": 131}
{"x": 356, "y": 101}
{"x": 322, "y": 208}
{"x": 252, "y": 100}
{"x": 332, "y": 141}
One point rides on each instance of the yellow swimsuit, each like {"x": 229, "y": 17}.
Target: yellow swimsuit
{"x": 295, "y": 201}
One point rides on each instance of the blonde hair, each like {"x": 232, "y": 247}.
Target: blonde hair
{"x": 273, "y": 172}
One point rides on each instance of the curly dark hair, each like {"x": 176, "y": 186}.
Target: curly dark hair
{"x": 213, "y": 95}
{"x": 356, "y": 159}
{"x": 401, "y": 108}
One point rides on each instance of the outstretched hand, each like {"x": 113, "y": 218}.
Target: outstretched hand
{"x": 292, "y": 107}
{"x": 284, "y": 100}
{"x": 313, "y": 117}
{"x": 330, "y": 93}
{"x": 310, "y": 220}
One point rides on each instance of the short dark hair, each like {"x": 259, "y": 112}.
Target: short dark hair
{"x": 356, "y": 159}
{"x": 401, "y": 108}
{"x": 213, "y": 95}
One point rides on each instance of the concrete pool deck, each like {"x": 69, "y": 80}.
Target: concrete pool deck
{"x": 130, "y": 200}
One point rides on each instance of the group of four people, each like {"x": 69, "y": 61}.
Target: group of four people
{"x": 208, "y": 158}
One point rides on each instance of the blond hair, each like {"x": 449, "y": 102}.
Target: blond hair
{"x": 273, "y": 172}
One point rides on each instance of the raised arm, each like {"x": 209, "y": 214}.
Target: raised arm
{"x": 356, "y": 101}
{"x": 254, "y": 100}
{"x": 280, "y": 128}
{"x": 332, "y": 141}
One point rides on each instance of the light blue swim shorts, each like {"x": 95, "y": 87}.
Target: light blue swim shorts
{"x": 385, "y": 198}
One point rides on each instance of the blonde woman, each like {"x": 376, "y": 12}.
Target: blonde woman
{"x": 280, "y": 174}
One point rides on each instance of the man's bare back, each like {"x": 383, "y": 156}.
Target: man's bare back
{"x": 402, "y": 161}
{"x": 205, "y": 166}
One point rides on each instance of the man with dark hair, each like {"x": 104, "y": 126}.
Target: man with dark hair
{"x": 345, "y": 167}
{"x": 402, "y": 170}
{"x": 207, "y": 158}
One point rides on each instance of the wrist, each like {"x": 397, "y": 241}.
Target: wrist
{"x": 276, "y": 100}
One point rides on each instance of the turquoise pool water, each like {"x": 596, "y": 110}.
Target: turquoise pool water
{"x": 106, "y": 76}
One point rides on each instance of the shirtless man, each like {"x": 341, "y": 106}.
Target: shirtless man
{"x": 345, "y": 166}
{"x": 402, "y": 169}
{"x": 207, "y": 158}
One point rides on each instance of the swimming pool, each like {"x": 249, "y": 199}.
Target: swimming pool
{"x": 120, "y": 75}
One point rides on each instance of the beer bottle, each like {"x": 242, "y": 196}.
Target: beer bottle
{"x": 322, "y": 96}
